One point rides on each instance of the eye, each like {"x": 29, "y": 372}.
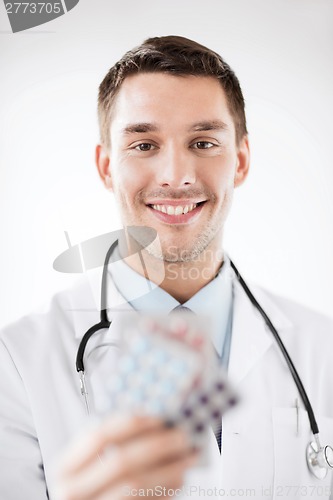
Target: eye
{"x": 144, "y": 146}
{"x": 203, "y": 145}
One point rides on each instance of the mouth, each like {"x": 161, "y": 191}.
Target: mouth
{"x": 176, "y": 213}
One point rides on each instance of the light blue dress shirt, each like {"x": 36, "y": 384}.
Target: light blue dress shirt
{"x": 214, "y": 300}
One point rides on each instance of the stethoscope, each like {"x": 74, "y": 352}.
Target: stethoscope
{"x": 319, "y": 458}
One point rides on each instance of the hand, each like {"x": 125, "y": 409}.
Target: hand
{"x": 123, "y": 455}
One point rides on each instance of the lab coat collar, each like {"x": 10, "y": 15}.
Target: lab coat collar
{"x": 251, "y": 338}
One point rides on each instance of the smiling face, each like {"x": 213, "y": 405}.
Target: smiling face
{"x": 173, "y": 162}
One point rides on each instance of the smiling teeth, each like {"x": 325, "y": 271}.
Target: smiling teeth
{"x": 171, "y": 210}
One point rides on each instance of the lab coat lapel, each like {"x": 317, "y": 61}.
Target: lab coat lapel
{"x": 250, "y": 336}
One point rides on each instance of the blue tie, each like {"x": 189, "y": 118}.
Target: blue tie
{"x": 181, "y": 308}
{"x": 218, "y": 429}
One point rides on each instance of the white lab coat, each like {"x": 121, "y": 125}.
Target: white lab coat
{"x": 263, "y": 447}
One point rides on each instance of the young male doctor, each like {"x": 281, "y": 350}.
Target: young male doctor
{"x": 173, "y": 148}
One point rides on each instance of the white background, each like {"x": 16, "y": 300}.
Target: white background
{"x": 280, "y": 230}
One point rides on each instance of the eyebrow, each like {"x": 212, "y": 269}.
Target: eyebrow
{"x": 142, "y": 128}
{"x": 139, "y": 128}
{"x": 209, "y": 125}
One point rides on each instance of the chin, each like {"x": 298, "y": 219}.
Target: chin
{"x": 174, "y": 253}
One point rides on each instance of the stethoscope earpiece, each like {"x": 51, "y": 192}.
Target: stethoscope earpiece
{"x": 319, "y": 458}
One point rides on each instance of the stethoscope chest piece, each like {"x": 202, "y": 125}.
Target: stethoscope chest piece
{"x": 319, "y": 459}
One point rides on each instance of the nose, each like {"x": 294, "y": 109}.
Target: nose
{"x": 176, "y": 167}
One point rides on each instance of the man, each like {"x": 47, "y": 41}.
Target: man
{"x": 173, "y": 147}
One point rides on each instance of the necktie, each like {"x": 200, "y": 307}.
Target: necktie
{"x": 218, "y": 429}
{"x": 181, "y": 308}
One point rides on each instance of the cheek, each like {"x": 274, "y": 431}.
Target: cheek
{"x": 128, "y": 179}
{"x": 219, "y": 178}
{"x": 130, "y": 194}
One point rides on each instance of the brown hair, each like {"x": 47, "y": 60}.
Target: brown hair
{"x": 176, "y": 55}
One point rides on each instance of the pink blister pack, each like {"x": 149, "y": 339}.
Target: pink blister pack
{"x": 168, "y": 367}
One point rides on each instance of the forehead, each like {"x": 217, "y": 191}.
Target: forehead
{"x": 171, "y": 101}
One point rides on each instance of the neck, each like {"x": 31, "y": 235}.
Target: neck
{"x": 181, "y": 280}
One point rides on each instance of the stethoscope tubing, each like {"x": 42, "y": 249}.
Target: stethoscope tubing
{"x": 105, "y": 323}
{"x": 104, "y": 320}
{"x": 294, "y": 373}
{"x": 316, "y": 465}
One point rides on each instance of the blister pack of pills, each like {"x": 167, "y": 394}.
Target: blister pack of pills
{"x": 168, "y": 367}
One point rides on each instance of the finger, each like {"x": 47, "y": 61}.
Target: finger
{"x": 114, "y": 430}
{"x": 161, "y": 482}
{"x": 165, "y": 479}
{"x": 126, "y": 461}
{"x": 147, "y": 451}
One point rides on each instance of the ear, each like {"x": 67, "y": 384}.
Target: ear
{"x": 243, "y": 161}
{"x": 102, "y": 160}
